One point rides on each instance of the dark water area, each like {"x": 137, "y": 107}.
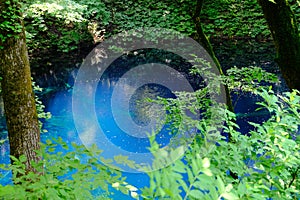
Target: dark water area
{"x": 58, "y": 101}
{"x": 244, "y": 53}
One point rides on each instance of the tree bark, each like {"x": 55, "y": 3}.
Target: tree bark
{"x": 282, "y": 24}
{"x": 18, "y": 96}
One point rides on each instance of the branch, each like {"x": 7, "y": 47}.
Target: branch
{"x": 294, "y": 175}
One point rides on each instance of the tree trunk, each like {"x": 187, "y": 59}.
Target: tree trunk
{"x": 18, "y": 97}
{"x": 202, "y": 39}
{"x": 282, "y": 24}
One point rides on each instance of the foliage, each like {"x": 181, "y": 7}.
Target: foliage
{"x": 10, "y": 24}
{"x": 248, "y": 79}
{"x": 295, "y": 6}
{"x": 136, "y": 14}
{"x": 73, "y": 175}
{"x": 40, "y": 108}
{"x": 263, "y": 165}
{"x": 62, "y": 24}
{"x": 238, "y": 80}
{"x": 234, "y": 18}
{"x": 266, "y": 162}
{"x": 60, "y": 33}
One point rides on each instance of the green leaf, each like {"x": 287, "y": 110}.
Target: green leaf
{"x": 195, "y": 194}
{"x": 179, "y": 167}
{"x": 230, "y": 196}
{"x": 242, "y": 188}
{"x": 207, "y": 172}
{"x": 22, "y": 158}
{"x": 220, "y": 185}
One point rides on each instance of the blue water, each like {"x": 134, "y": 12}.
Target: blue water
{"x": 121, "y": 125}
{"x": 62, "y": 125}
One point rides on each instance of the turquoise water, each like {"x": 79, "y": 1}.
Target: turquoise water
{"x": 62, "y": 125}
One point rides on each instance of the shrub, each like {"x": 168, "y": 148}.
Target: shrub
{"x": 76, "y": 174}
{"x": 263, "y": 164}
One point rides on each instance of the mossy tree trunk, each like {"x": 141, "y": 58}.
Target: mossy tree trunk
{"x": 18, "y": 96}
{"x": 282, "y": 24}
{"x": 202, "y": 39}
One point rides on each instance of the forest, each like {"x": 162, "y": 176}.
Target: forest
{"x": 150, "y": 99}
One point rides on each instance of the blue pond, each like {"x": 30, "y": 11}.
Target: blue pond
{"x": 114, "y": 116}
{"x": 134, "y": 141}
{"x": 62, "y": 125}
